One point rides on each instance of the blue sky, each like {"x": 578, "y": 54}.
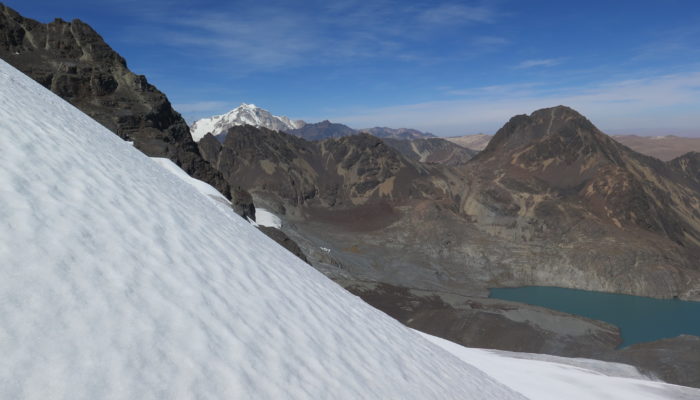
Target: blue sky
{"x": 451, "y": 68}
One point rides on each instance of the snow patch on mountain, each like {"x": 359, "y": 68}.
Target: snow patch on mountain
{"x": 245, "y": 114}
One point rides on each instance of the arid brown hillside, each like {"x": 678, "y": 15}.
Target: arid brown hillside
{"x": 345, "y": 172}
{"x": 432, "y": 151}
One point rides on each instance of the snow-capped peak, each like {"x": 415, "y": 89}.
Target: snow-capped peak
{"x": 245, "y": 114}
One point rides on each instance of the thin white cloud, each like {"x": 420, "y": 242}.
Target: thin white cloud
{"x": 545, "y": 62}
{"x": 445, "y": 14}
{"x": 248, "y": 38}
{"x": 663, "y": 103}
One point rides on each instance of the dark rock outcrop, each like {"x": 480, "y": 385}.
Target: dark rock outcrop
{"x": 209, "y": 147}
{"x": 284, "y": 240}
{"x": 73, "y": 61}
{"x": 242, "y": 203}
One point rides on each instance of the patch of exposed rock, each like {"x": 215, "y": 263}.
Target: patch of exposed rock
{"x": 284, "y": 240}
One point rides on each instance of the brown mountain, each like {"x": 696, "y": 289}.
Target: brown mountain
{"x": 340, "y": 173}
{"x": 73, "y": 61}
{"x": 432, "y": 151}
{"x": 665, "y": 148}
{"x": 554, "y": 177}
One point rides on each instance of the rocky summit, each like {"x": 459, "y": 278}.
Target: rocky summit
{"x": 73, "y": 61}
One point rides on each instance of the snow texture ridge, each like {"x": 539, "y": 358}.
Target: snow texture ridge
{"x": 245, "y": 114}
{"x": 114, "y": 283}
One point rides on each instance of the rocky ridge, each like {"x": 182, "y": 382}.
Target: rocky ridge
{"x": 73, "y": 61}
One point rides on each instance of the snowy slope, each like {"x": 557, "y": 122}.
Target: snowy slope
{"x": 114, "y": 284}
{"x": 555, "y": 380}
{"x": 119, "y": 279}
{"x": 263, "y": 217}
{"x": 245, "y": 114}
{"x": 201, "y": 186}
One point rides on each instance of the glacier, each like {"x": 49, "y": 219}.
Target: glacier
{"x": 120, "y": 278}
{"x": 245, "y": 114}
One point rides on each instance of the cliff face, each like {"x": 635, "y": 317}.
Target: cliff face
{"x": 73, "y": 61}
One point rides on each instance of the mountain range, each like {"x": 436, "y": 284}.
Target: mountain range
{"x": 551, "y": 200}
{"x": 249, "y": 114}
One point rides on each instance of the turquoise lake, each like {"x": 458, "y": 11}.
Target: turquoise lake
{"x": 640, "y": 319}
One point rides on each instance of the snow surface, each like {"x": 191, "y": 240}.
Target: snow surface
{"x": 266, "y": 218}
{"x": 245, "y": 114}
{"x": 118, "y": 279}
{"x": 263, "y": 217}
{"x": 553, "y": 380}
{"x": 202, "y": 187}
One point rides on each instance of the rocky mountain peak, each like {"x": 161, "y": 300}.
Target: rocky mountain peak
{"x": 551, "y": 137}
{"x": 561, "y": 123}
{"x": 245, "y": 114}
